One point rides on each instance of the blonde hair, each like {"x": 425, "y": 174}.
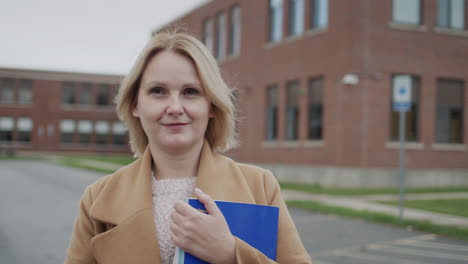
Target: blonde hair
{"x": 220, "y": 132}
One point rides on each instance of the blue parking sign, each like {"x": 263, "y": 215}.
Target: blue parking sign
{"x": 402, "y": 93}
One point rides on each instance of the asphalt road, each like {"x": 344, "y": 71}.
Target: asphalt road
{"x": 38, "y": 204}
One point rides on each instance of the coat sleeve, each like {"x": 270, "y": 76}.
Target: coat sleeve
{"x": 79, "y": 250}
{"x": 290, "y": 249}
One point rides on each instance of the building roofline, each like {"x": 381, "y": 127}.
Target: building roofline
{"x": 168, "y": 23}
{"x": 55, "y": 75}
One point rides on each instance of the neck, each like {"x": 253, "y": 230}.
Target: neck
{"x": 176, "y": 164}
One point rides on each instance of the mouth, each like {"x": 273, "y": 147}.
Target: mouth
{"x": 175, "y": 124}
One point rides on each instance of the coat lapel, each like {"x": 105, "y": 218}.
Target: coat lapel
{"x": 126, "y": 202}
{"x": 221, "y": 178}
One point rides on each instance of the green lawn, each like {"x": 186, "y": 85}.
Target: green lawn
{"x": 317, "y": 189}
{"x": 425, "y": 226}
{"x": 121, "y": 160}
{"x": 446, "y": 206}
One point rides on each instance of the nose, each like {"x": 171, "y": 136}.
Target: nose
{"x": 174, "y": 106}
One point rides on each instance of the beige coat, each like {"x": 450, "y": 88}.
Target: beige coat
{"x": 116, "y": 225}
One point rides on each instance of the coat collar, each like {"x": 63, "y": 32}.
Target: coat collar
{"x": 128, "y": 191}
{"x": 125, "y": 201}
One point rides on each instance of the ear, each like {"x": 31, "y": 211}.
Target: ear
{"x": 135, "y": 112}
{"x": 211, "y": 114}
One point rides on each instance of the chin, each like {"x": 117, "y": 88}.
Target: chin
{"x": 178, "y": 142}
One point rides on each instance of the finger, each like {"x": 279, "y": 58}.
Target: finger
{"x": 177, "y": 218}
{"x": 183, "y": 208}
{"x": 177, "y": 235}
{"x": 208, "y": 202}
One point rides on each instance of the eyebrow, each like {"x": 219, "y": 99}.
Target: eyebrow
{"x": 158, "y": 83}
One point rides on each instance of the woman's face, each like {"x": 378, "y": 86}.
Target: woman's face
{"x": 171, "y": 104}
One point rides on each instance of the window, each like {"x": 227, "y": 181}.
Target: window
{"x": 272, "y": 113}
{"x": 85, "y": 94}
{"x": 119, "y": 132}
{"x": 6, "y": 129}
{"x": 276, "y": 20}
{"x": 235, "y": 31}
{"x": 319, "y": 14}
{"x": 85, "y": 128}
{"x": 25, "y": 92}
{"x": 208, "y": 34}
{"x": 292, "y": 110}
{"x": 102, "y": 132}
{"x": 68, "y": 93}
{"x": 412, "y": 116}
{"x": 24, "y": 126}
{"x": 451, "y": 14}
{"x": 67, "y": 129}
{"x": 220, "y": 36}
{"x": 103, "y": 95}
{"x": 7, "y": 91}
{"x": 449, "y": 113}
{"x": 315, "y": 103}
{"x": 296, "y": 17}
{"x": 407, "y": 11}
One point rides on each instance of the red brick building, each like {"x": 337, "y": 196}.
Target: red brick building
{"x": 59, "y": 111}
{"x": 315, "y": 80}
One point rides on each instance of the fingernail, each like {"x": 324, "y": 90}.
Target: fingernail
{"x": 198, "y": 191}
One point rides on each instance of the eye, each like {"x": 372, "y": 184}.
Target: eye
{"x": 191, "y": 91}
{"x": 157, "y": 91}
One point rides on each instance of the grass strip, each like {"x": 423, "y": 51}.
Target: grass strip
{"x": 77, "y": 163}
{"x": 317, "y": 189}
{"x": 424, "y": 226}
{"x": 446, "y": 206}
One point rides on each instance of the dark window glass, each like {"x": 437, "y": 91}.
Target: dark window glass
{"x": 235, "y": 31}
{"x": 24, "y": 127}
{"x": 449, "y": 113}
{"x": 67, "y": 130}
{"x": 292, "y": 110}
{"x": 220, "y": 51}
{"x": 315, "y": 101}
{"x": 68, "y": 93}
{"x": 119, "y": 134}
{"x": 275, "y": 20}
{"x": 272, "y": 113}
{"x": 6, "y": 129}
{"x": 296, "y": 17}
{"x": 208, "y": 33}
{"x": 84, "y": 131}
{"x": 86, "y": 94}
{"x": 319, "y": 14}
{"x": 25, "y": 92}
{"x": 451, "y": 14}
{"x": 103, "y": 95}
{"x": 102, "y": 130}
{"x": 7, "y": 91}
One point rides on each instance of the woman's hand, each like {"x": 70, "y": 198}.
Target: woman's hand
{"x": 206, "y": 236}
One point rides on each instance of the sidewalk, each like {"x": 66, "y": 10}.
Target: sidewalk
{"x": 367, "y": 202}
{"x": 364, "y": 202}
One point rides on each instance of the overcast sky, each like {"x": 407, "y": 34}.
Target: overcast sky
{"x": 98, "y": 36}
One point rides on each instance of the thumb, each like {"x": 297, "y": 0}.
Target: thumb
{"x": 208, "y": 202}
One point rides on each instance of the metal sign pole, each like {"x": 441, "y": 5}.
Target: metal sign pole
{"x": 402, "y": 160}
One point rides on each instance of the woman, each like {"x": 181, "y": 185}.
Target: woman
{"x": 180, "y": 115}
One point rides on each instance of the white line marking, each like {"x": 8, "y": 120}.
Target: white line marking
{"x": 436, "y": 245}
{"x": 392, "y": 260}
{"x": 417, "y": 252}
{"x": 344, "y": 251}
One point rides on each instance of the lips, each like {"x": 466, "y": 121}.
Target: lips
{"x": 175, "y": 124}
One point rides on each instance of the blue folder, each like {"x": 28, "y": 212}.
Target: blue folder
{"x": 257, "y": 225}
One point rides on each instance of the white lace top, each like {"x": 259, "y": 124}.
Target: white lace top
{"x": 165, "y": 193}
